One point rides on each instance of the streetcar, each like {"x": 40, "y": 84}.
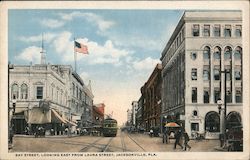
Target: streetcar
{"x": 109, "y": 127}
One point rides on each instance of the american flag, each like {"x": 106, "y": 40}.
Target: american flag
{"x": 81, "y": 48}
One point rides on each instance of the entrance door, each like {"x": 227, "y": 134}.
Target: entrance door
{"x": 212, "y": 122}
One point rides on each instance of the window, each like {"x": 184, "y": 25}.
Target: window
{"x": 194, "y": 95}
{"x": 216, "y": 94}
{"x": 206, "y": 75}
{"x": 206, "y": 53}
{"x": 196, "y": 30}
{"x": 195, "y": 113}
{"x": 228, "y": 53}
{"x": 216, "y": 74}
{"x": 193, "y": 55}
{"x": 76, "y": 92}
{"x": 73, "y": 86}
{"x": 194, "y": 126}
{"x": 228, "y": 74}
{"x": 237, "y": 54}
{"x": 217, "y": 30}
{"x": 39, "y": 93}
{"x": 217, "y": 53}
{"x": 238, "y": 96}
{"x": 238, "y": 30}
{"x": 194, "y": 74}
{"x": 237, "y": 74}
{"x": 229, "y": 96}
{"x": 24, "y": 91}
{"x": 227, "y": 31}
{"x": 206, "y": 31}
{"x": 14, "y": 91}
{"x": 206, "y": 96}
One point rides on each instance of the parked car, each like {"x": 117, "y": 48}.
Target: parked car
{"x": 235, "y": 138}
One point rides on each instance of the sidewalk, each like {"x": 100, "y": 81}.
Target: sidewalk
{"x": 47, "y": 136}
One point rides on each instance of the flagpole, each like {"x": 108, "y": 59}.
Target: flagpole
{"x": 75, "y": 54}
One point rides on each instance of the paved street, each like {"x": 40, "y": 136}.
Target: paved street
{"x": 123, "y": 142}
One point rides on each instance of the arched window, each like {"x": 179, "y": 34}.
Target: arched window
{"x": 233, "y": 119}
{"x": 14, "y": 91}
{"x": 24, "y": 91}
{"x": 238, "y": 53}
{"x": 227, "y": 53}
{"x": 206, "y": 53}
{"x": 212, "y": 122}
{"x": 217, "y": 53}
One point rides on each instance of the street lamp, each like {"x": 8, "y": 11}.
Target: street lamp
{"x": 223, "y": 111}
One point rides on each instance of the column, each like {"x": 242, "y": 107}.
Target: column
{"x": 233, "y": 78}
{"x": 211, "y": 77}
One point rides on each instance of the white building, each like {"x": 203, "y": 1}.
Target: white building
{"x": 50, "y": 95}
{"x": 134, "y": 111}
{"x": 203, "y": 44}
{"x": 129, "y": 116}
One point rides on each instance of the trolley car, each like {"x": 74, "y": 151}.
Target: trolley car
{"x": 109, "y": 127}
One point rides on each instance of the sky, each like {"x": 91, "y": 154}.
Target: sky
{"x": 124, "y": 47}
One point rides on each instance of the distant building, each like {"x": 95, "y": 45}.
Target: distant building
{"x": 138, "y": 115}
{"x": 134, "y": 111}
{"x": 98, "y": 114}
{"x": 203, "y": 44}
{"x": 151, "y": 92}
{"x": 129, "y": 117}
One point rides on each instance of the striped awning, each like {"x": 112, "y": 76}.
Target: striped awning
{"x": 56, "y": 117}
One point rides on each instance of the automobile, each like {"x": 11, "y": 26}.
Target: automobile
{"x": 235, "y": 138}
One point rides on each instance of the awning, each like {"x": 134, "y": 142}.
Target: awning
{"x": 172, "y": 124}
{"x": 56, "y": 118}
{"x": 70, "y": 122}
{"x": 39, "y": 116}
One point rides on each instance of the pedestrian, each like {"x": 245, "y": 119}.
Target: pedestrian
{"x": 178, "y": 136}
{"x": 165, "y": 135}
{"x": 11, "y": 134}
{"x": 186, "y": 140}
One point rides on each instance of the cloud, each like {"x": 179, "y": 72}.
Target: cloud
{"x": 95, "y": 19}
{"x": 30, "y": 54}
{"x": 47, "y": 37}
{"x": 145, "y": 64}
{"x": 52, "y": 23}
{"x": 107, "y": 53}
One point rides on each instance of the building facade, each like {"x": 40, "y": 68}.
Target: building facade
{"x": 203, "y": 45}
{"x": 45, "y": 94}
{"x": 98, "y": 115}
{"x": 129, "y": 117}
{"x": 138, "y": 116}
{"x": 134, "y": 111}
{"x": 151, "y": 92}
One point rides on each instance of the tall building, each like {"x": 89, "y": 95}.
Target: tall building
{"x": 129, "y": 117}
{"x": 138, "y": 115}
{"x": 134, "y": 111}
{"x": 50, "y": 95}
{"x": 151, "y": 92}
{"x": 203, "y": 44}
